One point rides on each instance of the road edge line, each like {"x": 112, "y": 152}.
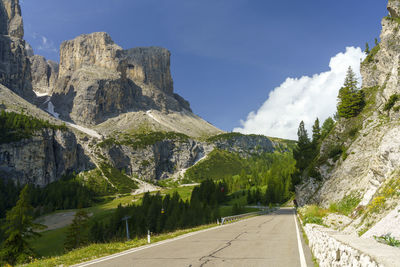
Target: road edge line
{"x": 300, "y": 246}
{"x": 133, "y": 250}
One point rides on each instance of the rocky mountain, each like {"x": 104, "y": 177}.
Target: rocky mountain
{"x": 14, "y": 63}
{"x": 360, "y": 157}
{"x": 112, "y": 113}
{"x": 99, "y": 80}
{"x": 44, "y": 74}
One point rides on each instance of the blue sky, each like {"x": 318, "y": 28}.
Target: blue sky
{"x": 227, "y": 55}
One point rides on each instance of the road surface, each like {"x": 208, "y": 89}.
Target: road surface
{"x": 267, "y": 240}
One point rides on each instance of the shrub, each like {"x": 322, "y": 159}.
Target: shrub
{"x": 312, "y": 214}
{"x": 391, "y": 102}
{"x": 388, "y": 240}
{"x": 346, "y": 205}
{"x": 371, "y": 55}
{"x": 335, "y": 151}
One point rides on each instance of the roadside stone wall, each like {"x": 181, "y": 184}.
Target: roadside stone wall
{"x": 332, "y": 248}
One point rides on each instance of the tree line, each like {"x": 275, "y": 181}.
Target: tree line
{"x": 162, "y": 214}
{"x": 155, "y": 213}
{"x": 15, "y": 126}
{"x": 351, "y": 101}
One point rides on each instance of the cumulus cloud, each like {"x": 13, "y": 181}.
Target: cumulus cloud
{"x": 304, "y": 98}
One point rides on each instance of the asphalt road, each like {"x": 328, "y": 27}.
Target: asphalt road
{"x": 267, "y": 240}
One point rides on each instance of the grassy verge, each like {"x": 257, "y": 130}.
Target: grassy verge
{"x": 312, "y": 214}
{"x": 50, "y": 243}
{"x": 314, "y": 259}
{"x": 95, "y": 251}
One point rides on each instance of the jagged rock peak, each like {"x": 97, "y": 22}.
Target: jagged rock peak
{"x": 15, "y": 70}
{"x": 10, "y": 13}
{"x": 95, "y": 49}
{"x": 143, "y": 65}
{"x": 152, "y": 61}
{"x": 394, "y": 8}
{"x": 44, "y": 74}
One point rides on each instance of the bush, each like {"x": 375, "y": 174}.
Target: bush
{"x": 312, "y": 214}
{"x": 388, "y": 240}
{"x": 371, "y": 55}
{"x": 335, "y": 151}
{"x": 391, "y": 102}
{"x": 346, "y": 205}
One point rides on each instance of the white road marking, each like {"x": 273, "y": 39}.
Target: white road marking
{"x": 301, "y": 252}
{"x": 106, "y": 258}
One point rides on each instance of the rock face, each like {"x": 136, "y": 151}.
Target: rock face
{"x": 246, "y": 145}
{"x": 394, "y": 8}
{"x": 371, "y": 157}
{"x": 14, "y": 63}
{"x": 158, "y": 161}
{"x": 169, "y": 157}
{"x": 42, "y": 159}
{"x": 99, "y": 80}
{"x": 44, "y": 74}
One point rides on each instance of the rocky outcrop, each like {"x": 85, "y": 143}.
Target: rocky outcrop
{"x": 369, "y": 148}
{"x": 394, "y": 8}
{"x": 245, "y": 145}
{"x": 99, "y": 80}
{"x": 15, "y": 27}
{"x": 44, "y": 74}
{"x": 170, "y": 157}
{"x": 161, "y": 160}
{"x": 42, "y": 159}
{"x": 14, "y": 63}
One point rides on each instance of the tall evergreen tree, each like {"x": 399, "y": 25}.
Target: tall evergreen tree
{"x": 367, "y": 48}
{"x": 350, "y": 98}
{"x": 77, "y": 234}
{"x": 327, "y": 126}
{"x": 303, "y": 151}
{"x": 316, "y": 132}
{"x": 19, "y": 227}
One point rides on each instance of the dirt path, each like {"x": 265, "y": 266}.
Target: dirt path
{"x": 56, "y": 220}
{"x": 145, "y": 187}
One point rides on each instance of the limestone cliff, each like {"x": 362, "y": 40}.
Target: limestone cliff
{"x": 14, "y": 63}
{"x": 44, "y": 74}
{"x": 368, "y": 146}
{"x": 47, "y": 155}
{"x": 99, "y": 80}
{"x": 158, "y": 156}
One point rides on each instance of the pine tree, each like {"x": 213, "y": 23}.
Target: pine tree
{"x": 376, "y": 42}
{"x": 316, "y": 132}
{"x": 327, "y": 126}
{"x": 77, "y": 235}
{"x": 303, "y": 151}
{"x": 19, "y": 227}
{"x": 367, "y": 48}
{"x": 350, "y": 99}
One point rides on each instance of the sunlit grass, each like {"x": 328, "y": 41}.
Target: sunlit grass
{"x": 95, "y": 251}
{"x": 51, "y": 243}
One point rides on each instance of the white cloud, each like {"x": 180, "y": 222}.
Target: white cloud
{"x": 42, "y": 43}
{"x": 304, "y": 98}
